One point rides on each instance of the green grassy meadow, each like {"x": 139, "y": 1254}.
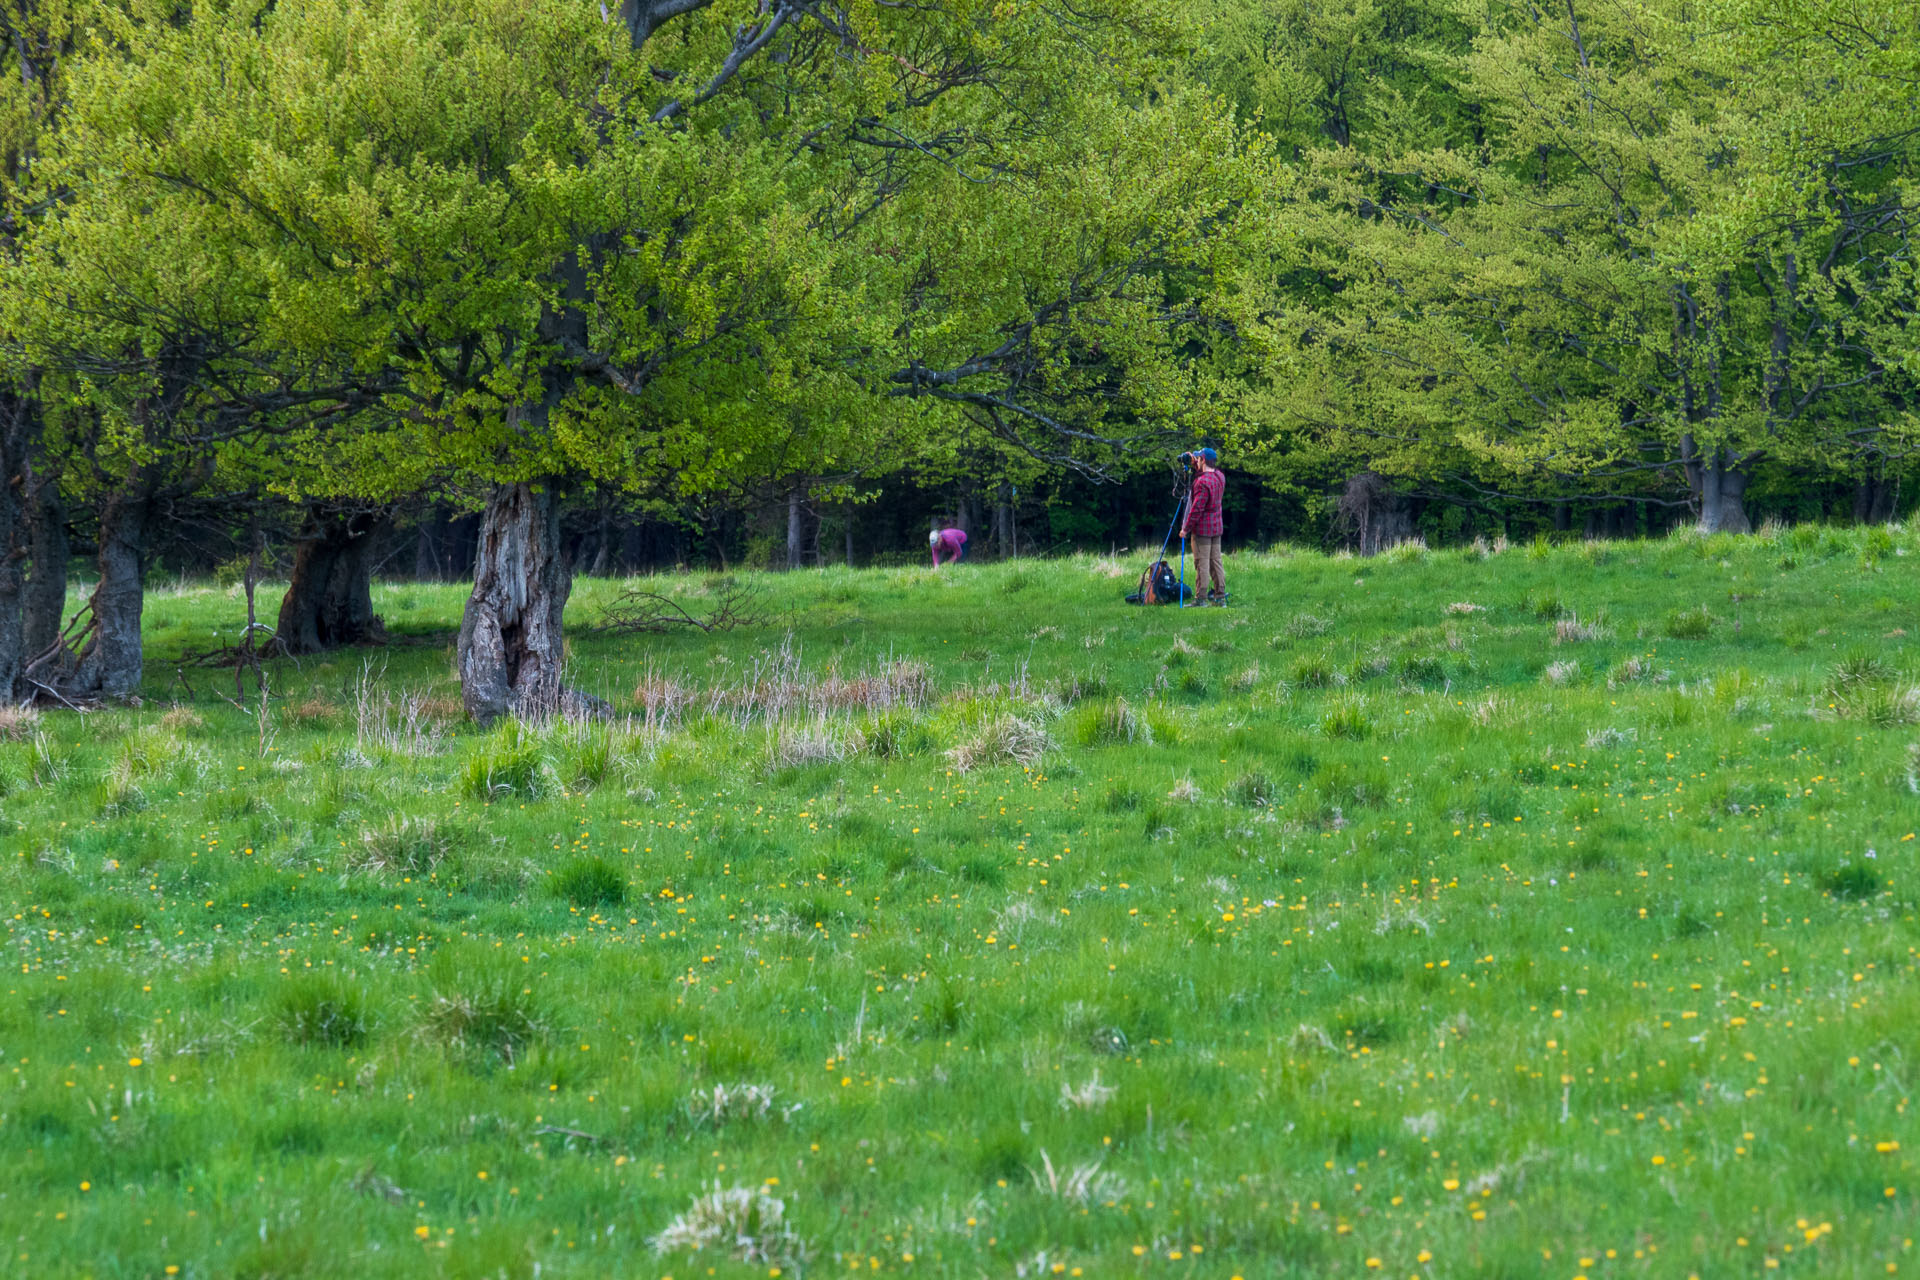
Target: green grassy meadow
{"x": 1489, "y": 912}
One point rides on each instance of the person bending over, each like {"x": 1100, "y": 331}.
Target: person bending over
{"x": 951, "y": 543}
{"x": 1204, "y": 525}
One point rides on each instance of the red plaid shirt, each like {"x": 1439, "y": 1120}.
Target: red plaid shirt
{"x": 1203, "y": 509}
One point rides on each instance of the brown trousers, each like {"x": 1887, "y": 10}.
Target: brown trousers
{"x": 1206, "y": 565}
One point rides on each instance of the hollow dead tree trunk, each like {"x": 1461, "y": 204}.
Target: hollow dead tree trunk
{"x": 512, "y": 648}
{"x": 329, "y": 600}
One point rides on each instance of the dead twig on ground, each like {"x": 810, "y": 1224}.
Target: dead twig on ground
{"x": 643, "y": 612}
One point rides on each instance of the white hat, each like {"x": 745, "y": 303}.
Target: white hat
{"x": 933, "y": 538}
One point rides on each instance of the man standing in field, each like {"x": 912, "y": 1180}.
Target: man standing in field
{"x": 949, "y": 542}
{"x": 1204, "y": 524}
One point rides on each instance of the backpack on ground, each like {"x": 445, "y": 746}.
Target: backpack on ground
{"x": 1158, "y": 585}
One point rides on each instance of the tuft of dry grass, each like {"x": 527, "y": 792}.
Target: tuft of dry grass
{"x": 1561, "y": 672}
{"x": 1463, "y": 608}
{"x": 313, "y": 712}
{"x": 724, "y": 1102}
{"x": 1002, "y": 740}
{"x": 1570, "y": 630}
{"x": 182, "y": 719}
{"x": 1635, "y": 670}
{"x": 745, "y": 1223}
{"x": 1091, "y": 1096}
{"x": 400, "y": 721}
{"x": 1079, "y": 1184}
{"x": 821, "y": 742}
{"x": 17, "y": 724}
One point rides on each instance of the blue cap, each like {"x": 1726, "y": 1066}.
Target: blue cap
{"x": 1210, "y": 456}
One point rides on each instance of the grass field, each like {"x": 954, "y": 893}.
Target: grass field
{"x": 1496, "y": 912}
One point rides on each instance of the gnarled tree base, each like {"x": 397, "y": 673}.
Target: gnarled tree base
{"x": 329, "y": 600}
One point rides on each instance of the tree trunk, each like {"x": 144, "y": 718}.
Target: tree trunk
{"x": 1719, "y": 484}
{"x": 13, "y": 551}
{"x": 603, "y": 554}
{"x": 1373, "y": 515}
{"x": 48, "y": 551}
{"x": 108, "y": 662}
{"x": 329, "y": 600}
{"x": 511, "y": 647}
{"x": 429, "y": 560}
{"x": 1003, "y": 522}
{"x": 1872, "y": 500}
{"x": 796, "y": 529}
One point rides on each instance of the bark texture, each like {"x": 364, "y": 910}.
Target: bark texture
{"x": 329, "y": 600}
{"x": 13, "y": 551}
{"x": 512, "y": 649}
{"x": 47, "y": 552}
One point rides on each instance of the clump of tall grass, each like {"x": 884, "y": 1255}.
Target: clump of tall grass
{"x": 1348, "y": 719}
{"x": 896, "y": 734}
{"x": 1885, "y": 706}
{"x": 1253, "y": 790}
{"x": 1108, "y": 722}
{"x": 403, "y": 844}
{"x": 322, "y": 1010}
{"x": 1306, "y": 626}
{"x": 1078, "y": 686}
{"x": 823, "y": 741}
{"x": 1561, "y": 672}
{"x": 1313, "y": 671}
{"x": 1002, "y": 740}
{"x": 1688, "y": 624}
{"x": 510, "y": 761}
{"x": 1857, "y": 671}
{"x": 1420, "y": 669}
{"x": 1410, "y": 551}
{"x": 1181, "y": 652}
{"x": 1635, "y": 670}
{"x": 487, "y": 1015}
{"x": 588, "y": 754}
{"x": 1546, "y": 604}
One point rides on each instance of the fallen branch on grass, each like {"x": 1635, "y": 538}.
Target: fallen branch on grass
{"x": 640, "y": 612}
